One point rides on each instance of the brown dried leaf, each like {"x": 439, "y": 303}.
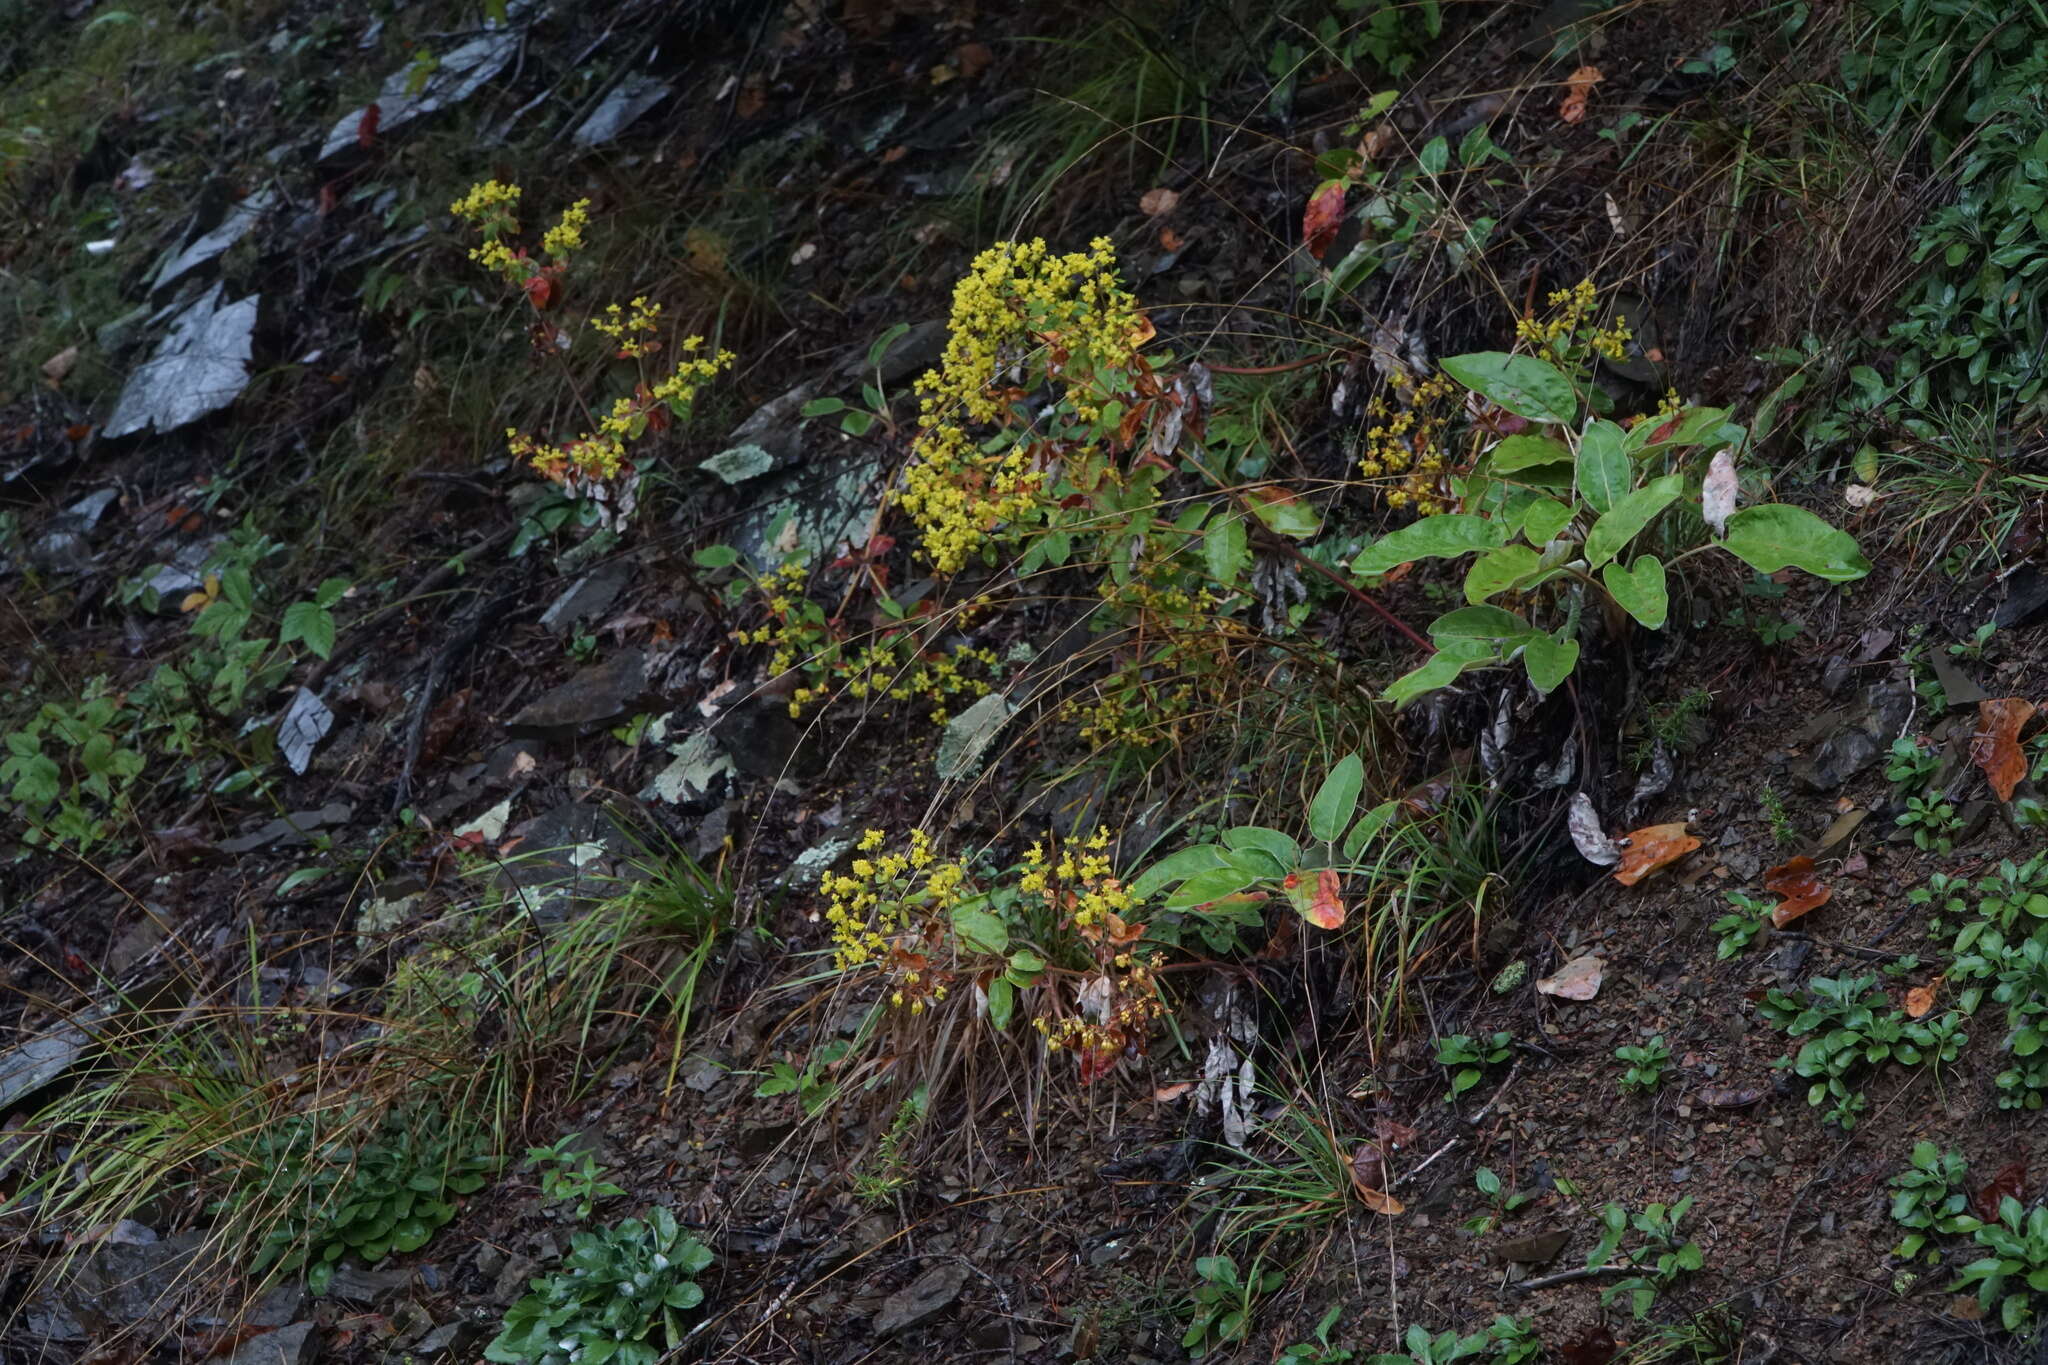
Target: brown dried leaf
{"x": 1578, "y": 979}
{"x": 444, "y": 722}
{"x": 1996, "y": 746}
{"x": 1728, "y": 1096}
{"x": 1796, "y": 882}
{"x": 2012, "y": 1180}
{"x": 1645, "y": 850}
{"x": 1920, "y": 999}
{"x": 1368, "y": 1174}
{"x": 1154, "y": 202}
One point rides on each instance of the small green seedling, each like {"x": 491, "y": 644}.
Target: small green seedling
{"x": 1468, "y": 1058}
{"x": 569, "y": 1174}
{"x": 1740, "y": 928}
{"x": 1645, "y": 1064}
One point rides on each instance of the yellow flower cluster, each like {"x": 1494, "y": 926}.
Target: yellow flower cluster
{"x": 567, "y": 234}
{"x": 1135, "y": 1003}
{"x": 891, "y": 666}
{"x": 895, "y": 910}
{"x": 1021, "y": 313}
{"x": 1566, "y": 330}
{"x": 631, "y": 333}
{"x": 491, "y": 208}
{"x": 487, "y": 202}
{"x": 1407, "y": 439}
{"x": 601, "y": 454}
{"x": 1082, "y": 886}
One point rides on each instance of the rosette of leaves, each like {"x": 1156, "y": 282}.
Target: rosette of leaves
{"x": 1560, "y": 511}
{"x": 392, "y": 1193}
{"x": 1850, "y": 1027}
{"x": 617, "y": 1298}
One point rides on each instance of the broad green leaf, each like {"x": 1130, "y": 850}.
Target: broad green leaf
{"x": 1212, "y": 885}
{"x": 1499, "y": 570}
{"x": 1640, "y": 590}
{"x": 310, "y": 622}
{"x": 1773, "y": 536}
{"x": 979, "y": 931}
{"x": 1527, "y": 449}
{"x": 1225, "y": 551}
{"x": 1522, "y": 384}
{"x": 716, "y": 557}
{"x": 1002, "y": 1002}
{"x": 1605, "y": 474}
{"x": 1543, "y": 519}
{"x": 1612, "y": 533}
{"x": 1282, "y": 849}
{"x": 1368, "y": 828}
{"x": 1331, "y": 810}
{"x": 1284, "y": 513}
{"x": 1261, "y": 865}
{"x": 1175, "y": 867}
{"x": 1440, "y": 537}
{"x": 1478, "y": 623}
{"x": 1549, "y": 660}
{"x": 1443, "y": 667}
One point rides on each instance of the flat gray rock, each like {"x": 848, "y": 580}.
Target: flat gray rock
{"x": 37, "y": 1062}
{"x": 291, "y": 1345}
{"x": 628, "y": 100}
{"x": 600, "y": 695}
{"x": 240, "y": 221}
{"x": 922, "y": 1300}
{"x": 200, "y": 367}
{"x": 460, "y": 73}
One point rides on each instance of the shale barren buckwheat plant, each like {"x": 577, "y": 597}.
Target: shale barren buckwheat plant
{"x": 633, "y": 331}
{"x": 1022, "y": 318}
{"x": 1058, "y": 925}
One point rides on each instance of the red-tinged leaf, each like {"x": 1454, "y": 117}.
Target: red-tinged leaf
{"x": 1920, "y": 999}
{"x": 1167, "y": 1094}
{"x": 327, "y": 201}
{"x": 77, "y": 432}
{"x": 366, "y": 126}
{"x": 1324, "y": 214}
{"x": 1577, "y": 87}
{"x": 1801, "y": 889}
{"x": 1096, "y": 1062}
{"x": 540, "y": 292}
{"x": 1326, "y": 908}
{"x": 1645, "y": 850}
{"x": 1996, "y": 746}
{"x": 2010, "y": 1181}
{"x": 1594, "y": 1346}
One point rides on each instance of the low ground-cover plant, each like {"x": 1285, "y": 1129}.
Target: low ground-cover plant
{"x": 619, "y": 1296}
{"x": 570, "y": 1174}
{"x": 1644, "y": 1064}
{"x": 1468, "y": 1057}
{"x": 1928, "y": 1197}
{"x": 1658, "y": 1259}
{"x": 1222, "y": 1303}
{"x": 1851, "y": 1027}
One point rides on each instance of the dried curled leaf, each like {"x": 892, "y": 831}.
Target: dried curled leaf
{"x": 1577, "y": 87}
{"x": 1996, "y": 746}
{"x": 1587, "y": 835}
{"x": 1920, "y": 999}
{"x": 1800, "y": 887}
{"x": 1645, "y": 850}
{"x": 1324, "y": 214}
{"x": 1578, "y": 979}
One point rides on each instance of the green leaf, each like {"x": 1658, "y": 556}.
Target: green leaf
{"x": 1549, "y": 660}
{"x": 330, "y": 591}
{"x": 824, "y": 407}
{"x": 1525, "y": 450}
{"x": 1272, "y": 842}
{"x": 1478, "y": 623}
{"x": 1773, "y": 536}
{"x": 1612, "y": 533}
{"x": 1224, "y": 550}
{"x": 1445, "y": 536}
{"x": 1002, "y": 1002}
{"x": 1443, "y": 667}
{"x": 1605, "y": 474}
{"x": 1368, "y": 828}
{"x": 1335, "y": 802}
{"x": 1176, "y": 867}
{"x": 1544, "y": 519}
{"x": 1212, "y": 885}
{"x": 716, "y": 557}
{"x": 979, "y": 931}
{"x": 310, "y": 622}
{"x": 1284, "y": 513}
{"x": 1640, "y": 590}
{"x": 1499, "y": 570}
{"x": 1522, "y": 384}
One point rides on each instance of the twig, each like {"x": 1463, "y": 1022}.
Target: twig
{"x": 371, "y": 627}
{"x": 1425, "y": 1164}
{"x": 1487, "y": 1108}
{"x": 1568, "y": 1276}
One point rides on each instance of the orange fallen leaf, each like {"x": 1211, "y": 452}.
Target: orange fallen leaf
{"x": 1320, "y": 221}
{"x": 1167, "y": 1094}
{"x": 1578, "y": 979}
{"x": 1996, "y": 746}
{"x": 1796, "y": 882}
{"x": 1577, "y": 86}
{"x": 973, "y": 59}
{"x": 1326, "y": 911}
{"x": 1920, "y": 999}
{"x": 1645, "y": 850}
{"x": 1169, "y": 239}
